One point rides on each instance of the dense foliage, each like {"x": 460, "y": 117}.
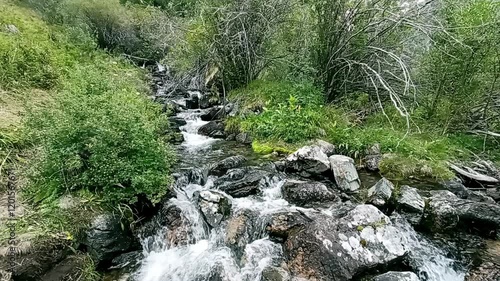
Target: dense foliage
{"x": 93, "y": 129}
{"x": 418, "y": 77}
{"x": 107, "y": 143}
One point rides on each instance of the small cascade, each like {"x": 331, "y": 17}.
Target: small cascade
{"x": 206, "y": 255}
{"x": 431, "y": 262}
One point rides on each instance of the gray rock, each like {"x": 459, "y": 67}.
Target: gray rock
{"x": 380, "y": 193}
{"x": 176, "y": 122}
{"x": 208, "y": 99}
{"x": 243, "y": 138}
{"x": 214, "y": 113}
{"x": 130, "y": 260}
{"x": 397, "y": 276}
{"x": 274, "y": 273}
{"x": 457, "y": 188}
{"x": 221, "y": 167}
{"x": 324, "y": 247}
{"x": 179, "y": 231}
{"x": 11, "y": 28}
{"x": 410, "y": 204}
{"x": 172, "y": 108}
{"x": 373, "y": 158}
{"x": 445, "y": 211}
{"x": 240, "y": 231}
{"x": 212, "y": 129}
{"x": 214, "y": 206}
{"x": 326, "y": 147}
{"x": 478, "y": 196}
{"x": 440, "y": 213}
{"x": 106, "y": 238}
{"x": 308, "y": 161}
{"x": 307, "y": 194}
{"x": 241, "y": 182}
{"x": 345, "y": 173}
{"x": 71, "y": 268}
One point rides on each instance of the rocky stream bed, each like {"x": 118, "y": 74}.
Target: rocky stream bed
{"x": 232, "y": 215}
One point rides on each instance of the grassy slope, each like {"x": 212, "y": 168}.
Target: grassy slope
{"x": 287, "y": 123}
{"x": 36, "y": 64}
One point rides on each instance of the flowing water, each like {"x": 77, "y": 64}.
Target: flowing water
{"x": 208, "y": 253}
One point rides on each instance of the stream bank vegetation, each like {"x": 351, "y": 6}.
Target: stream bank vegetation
{"x": 420, "y": 78}
{"x": 76, "y": 126}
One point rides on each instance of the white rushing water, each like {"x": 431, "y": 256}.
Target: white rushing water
{"x": 207, "y": 253}
{"x": 432, "y": 263}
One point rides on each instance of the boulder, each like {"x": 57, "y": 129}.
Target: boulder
{"x": 396, "y": 276}
{"x": 308, "y": 161}
{"x": 326, "y": 147}
{"x": 178, "y": 227}
{"x": 307, "y": 194}
{"x": 446, "y": 211}
{"x": 410, "y": 204}
{"x": 197, "y": 176}
{"x": 380, "y": 193}
{"x": 345, "y": 173}
{"x": 176, "y": 122}
{"x": 193, "y": 102}
{"x": 274, "y": 273}
{"x": 240, "y": 231}
{"x": 221, "y": 167}
{"x": 214, "y": 206}
{"x": 130, "y": 260}
{"x": 214, "y": 113}
{"x": 373, "y": 157}
{"x": 243, "y": 138}
{"x": 325, "y": 247}
{"x": 457, "y": 188}
{"x": 171, "y": 108}
{"x": 208, "y": 99}
{"x": 108, "y": 237}
{"x": 212, "y": 129}
{"x": 282, "y": 224}
{"x": 241, "y": 182}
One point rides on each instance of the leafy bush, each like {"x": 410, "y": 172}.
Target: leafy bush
{"x": 291, "y": 112}
{"x": 95, "y": 129}
{"x": 276, "y": 93}
{"x": 141, "y": 32}
{"x": 359, "y": 48}
{"x": 239, "y": 34}
{"x": 107, "y": 143}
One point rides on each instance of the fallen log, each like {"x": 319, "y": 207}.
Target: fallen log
{"x": 470, "y": 173}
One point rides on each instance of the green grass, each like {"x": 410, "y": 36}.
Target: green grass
{"x": 74, "y": 121}
{"x": 286, "y": 122}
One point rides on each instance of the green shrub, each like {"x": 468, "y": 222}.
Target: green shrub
{"x": 291, "y": 112}
{"x": 106, "y": 143}
{"x": 144, "y": 33}
{"x": 276, "y": 93}
{"x": 239, "y": 35}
